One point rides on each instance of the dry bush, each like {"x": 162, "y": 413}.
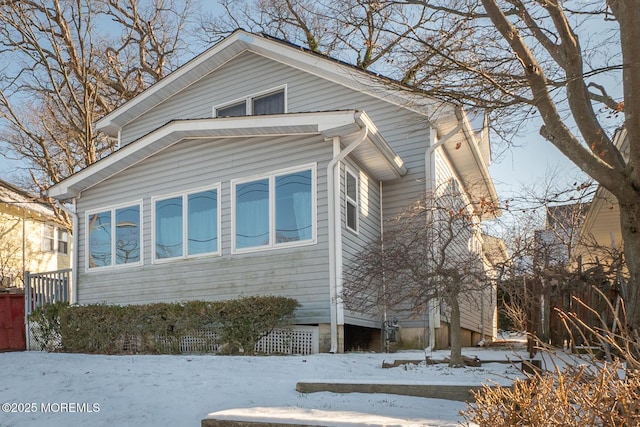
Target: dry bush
{"x": 561, "y": 398}
{"x": 578, "y": 390}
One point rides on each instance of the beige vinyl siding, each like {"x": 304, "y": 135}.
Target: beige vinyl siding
{"x": 300, "y": 272}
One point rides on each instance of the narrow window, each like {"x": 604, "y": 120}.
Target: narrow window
{"x": 63, "y": 241}
{"x": 169, "y": 228}
{"x": 252, "y": 214}
{"x": 127, "y": 235}
{"x": 202, "y": 222}
{"x": 293, "y": 207}
{"x": 48, "y": 240}
{"x": 351, "y": 191}
{"x": 100, "y": 239}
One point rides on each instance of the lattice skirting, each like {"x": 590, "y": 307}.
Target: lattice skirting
{"x": 302, "y": 340}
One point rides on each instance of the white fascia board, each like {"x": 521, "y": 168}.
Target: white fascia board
{"x": 344, "y": 74}
{"x": 242, "y": 127}
{"x": 109, "y": 122}
{"x": 326, "y": 68}
{"x": 381, "y": 145}
{"x": 479, "y": 160}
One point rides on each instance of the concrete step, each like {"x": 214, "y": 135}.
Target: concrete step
{"x": 458, "y": 392}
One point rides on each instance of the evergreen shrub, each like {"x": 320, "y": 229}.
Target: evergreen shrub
{"x": 159, "y": 328}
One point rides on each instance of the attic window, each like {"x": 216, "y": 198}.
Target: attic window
{"x": 270, "y": 102}
{"x": 234, "y": 110}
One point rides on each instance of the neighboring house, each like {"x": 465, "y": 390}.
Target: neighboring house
{"x": 30, "y": 237}
{"x": 260, "y": 168}
{"x": 602, "y": 222}
{"x": 601, "y": 236}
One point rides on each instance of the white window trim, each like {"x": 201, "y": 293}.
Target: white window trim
{"x": 350, "y": 171}
{"x": 272, "y": 209}
{"x": 57, "y": 240}
{"x": 44, "y": 237}
{"x": 185, "y": 234}
{"x": 247, "y": 100}
{"x": 112, "y": 209}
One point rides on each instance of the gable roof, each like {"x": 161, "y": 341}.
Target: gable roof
{"x": 468, "y": 151}
{"x": 375, "y": 153}
{"x": 241, "y": 41}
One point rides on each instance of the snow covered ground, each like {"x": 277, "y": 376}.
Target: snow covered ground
{"x": 56, "y": 389}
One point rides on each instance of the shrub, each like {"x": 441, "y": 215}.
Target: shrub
{"x": 245, "y": 320}
{"x": 160, "y": 327}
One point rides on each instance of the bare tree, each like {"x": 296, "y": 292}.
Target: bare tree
{"x": 428, "y": 255}
{"x": 548, "y": 266}
{"x": 66, "y": 64}
{"x": 10, "y": 251}
{"x": 561, "y": 62}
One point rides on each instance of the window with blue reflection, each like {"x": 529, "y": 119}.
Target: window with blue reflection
{"x": 293, "y": 207}
{"x": 168, "y": 214}
{"x": 100, "y": 239}
{"x": 202, "y": 221}
{"x": 252, "y": 214}
{"x": 128, "y": 235}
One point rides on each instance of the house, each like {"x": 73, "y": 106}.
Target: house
{"x": 600, "y": 252}
{"x": 31, "y": 239}
{"x": 259, "y": 168}
{"x": 602, "y": 222}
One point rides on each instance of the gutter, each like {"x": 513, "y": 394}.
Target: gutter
{"x": 335, "y": 227}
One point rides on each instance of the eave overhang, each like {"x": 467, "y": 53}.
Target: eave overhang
{"x": 471, "y": 165}
{"x": 375, "y": 154}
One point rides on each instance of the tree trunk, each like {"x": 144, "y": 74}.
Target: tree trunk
{"x": 630, "y": 228}
{"x": 455, "y": 331}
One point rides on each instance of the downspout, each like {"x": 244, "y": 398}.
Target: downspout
{"x": 384, "y": 284}
{"x": 430, "y": 183}
{"x": 335, "y": 227}
{"x": 74, "y": 258}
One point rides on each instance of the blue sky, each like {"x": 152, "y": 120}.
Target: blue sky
{"x": 529, "y": 162}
